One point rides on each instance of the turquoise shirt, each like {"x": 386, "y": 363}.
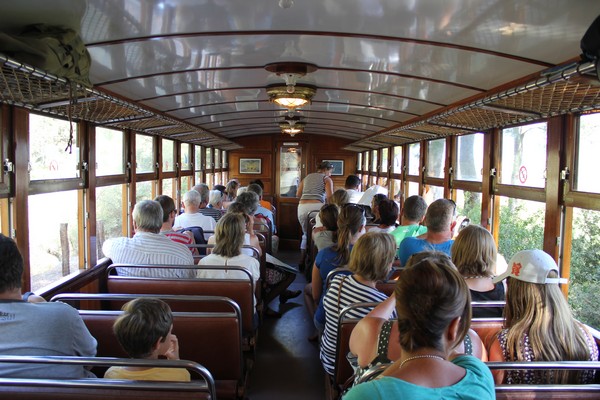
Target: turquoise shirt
{"x": 404, "y": 231}
{"x": 477, "y": 384}
{"x": 413, "y": 245}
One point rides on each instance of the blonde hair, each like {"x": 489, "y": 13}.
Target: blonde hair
{"x": 350, "y": 220}
{"x": 474, "y": 252}
{"x": 372, "y": 255}
{"x": 430, "y": 293}
{"x": 229, "y": 235}
{"x": 541, "y": 312}
{"x": 340, "y": 197}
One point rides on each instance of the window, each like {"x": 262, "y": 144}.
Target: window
{"x": 144, "y": 154}
{"x": 186, "y": 184}
{"x": 384, "y": 161}
{"x": 374, "y": 161}
{"x": 217, "y": 158}
{"x": 397, "y": 162}
{"x": 198, "y": 158}
{"x": 414, "y": 158}
{"x": 290, "y": 161}
{"x": 367, "y": 165}
{"x": 585, "y": 259}
{"x": 468, "y": 204}
{"x": 144, "y": 191}
{"x": 48, "y": 138}
{"x": 524, "y": 155}
{"x": 396, "y": 189}
{"x": 168, "y": 157}
{"x": 521, "y": 226}
{"x": 224, "y": 163}
{"x": 359, "y": 162}
{"x": 208, "y": 160}
{"x": 109, "y": 213}
{"x": 185, "y": 157}
{"x": 413, "y": 189}
{"x": 436, "y": 158}
{"x": 588, "y": 148}
{"x": 469, "y": 149}
{"x": 53, "y": 236}
{"x": 168, "y": 187}
{"x": 433, "y": 193}
{"x": 110, "y": 157}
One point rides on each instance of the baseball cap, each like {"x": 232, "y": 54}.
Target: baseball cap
{"x": 531, "y": 266}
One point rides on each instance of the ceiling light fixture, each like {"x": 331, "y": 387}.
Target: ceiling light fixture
{"x": 292, "y": 126}
{"x": 301, "y": 95}
{"x": 292, "y": 95}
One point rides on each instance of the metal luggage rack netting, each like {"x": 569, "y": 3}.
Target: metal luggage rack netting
{"x": 575, "y": 89}
{"x": 25, "y": 86}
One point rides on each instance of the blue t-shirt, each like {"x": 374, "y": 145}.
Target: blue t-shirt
{"x": 326, "y": 261}
{"x": 413, "y": 245}
{"x": 477, "y": 384}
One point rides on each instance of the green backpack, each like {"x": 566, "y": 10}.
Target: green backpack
{"x": 57, "y": 50}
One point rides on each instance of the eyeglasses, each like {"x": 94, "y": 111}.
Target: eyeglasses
{"x": 361, "y": 208}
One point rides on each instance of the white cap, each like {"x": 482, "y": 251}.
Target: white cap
{"x": 531, "y": 266}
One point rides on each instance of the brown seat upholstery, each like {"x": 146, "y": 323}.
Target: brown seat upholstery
{"x": 343, "y": 371}
{"x": 212, "y": 339}
{"x": 239, "y": 290}
{"x": 487, "y": 329}
{"x": 102, "y": 389}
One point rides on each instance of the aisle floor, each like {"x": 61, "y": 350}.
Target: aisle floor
{"x": 287, "y": 365}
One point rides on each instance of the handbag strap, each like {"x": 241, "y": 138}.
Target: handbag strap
{"x": 340, "y": 293}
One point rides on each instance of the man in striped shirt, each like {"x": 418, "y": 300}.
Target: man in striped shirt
{"x": 169, "y": 213}
{"x": 148, "y": 246}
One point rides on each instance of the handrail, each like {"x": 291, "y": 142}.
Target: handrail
{"x": 110, "y": 361}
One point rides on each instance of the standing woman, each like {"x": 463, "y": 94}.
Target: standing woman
{"x": 474, "y": 254}
{"x": 314, "y": 190}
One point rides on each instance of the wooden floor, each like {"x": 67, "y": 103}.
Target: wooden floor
{"x": 287, "y": 365}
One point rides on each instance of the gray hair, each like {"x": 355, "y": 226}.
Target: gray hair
{"x": 241, "y": 190}
{"x": 253, "y": 187}
{"x": 148, "y": 215}
{"x": 192, "y": 198}
{"x": 215, "y": 198}
{"x": 248, "y": 201}
{"x": 203, "y": 189}
{"x": 439, "y": 215}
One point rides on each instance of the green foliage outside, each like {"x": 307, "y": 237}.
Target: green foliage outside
{"x": 584, "y": 296}
{"x": 520, "y": 228}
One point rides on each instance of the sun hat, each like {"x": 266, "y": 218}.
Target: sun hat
{"x": 531, "y": 266}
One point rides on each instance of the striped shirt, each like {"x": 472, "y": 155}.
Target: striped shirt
{"x": 351, "y": 292}
{"x": 178, "y": 237}
{"x": 149, "y": 248}
{"x": 212, "y": 212}
{"x": 313, "y": 187}
{"x": 186, "y": 220}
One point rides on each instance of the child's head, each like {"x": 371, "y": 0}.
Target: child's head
{"x": 146, "y": 322}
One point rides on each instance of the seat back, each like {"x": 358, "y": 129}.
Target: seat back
{"x": 487, "y": 329}
{"x": 547, "y": 392}
{"x": 213, "y": 339}
{"x": 343, "y": 371}
{"x": 101, "y": 389}
{"x": 240, "y": 291}
{"x": 334, "y": 272}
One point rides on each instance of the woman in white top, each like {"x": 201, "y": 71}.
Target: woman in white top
{"x": 229, "y": 239}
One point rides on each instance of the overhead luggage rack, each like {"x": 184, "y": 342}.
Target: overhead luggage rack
{"x": 26, "y": 86}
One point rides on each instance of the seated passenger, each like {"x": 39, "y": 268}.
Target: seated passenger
{"x": 370, "y": 261}
{"x": 351, "y": 224}
{"x": 264, "y": 212}
{"x": 229, "y": 239}
{"x": 474, "y": 254}
{"x": 266, "y": 204}
{"x": 377, "y": 198}
{"x": 413, "y": 214}
{"x": 203, "y": 207}
{"x": 169, "y": 213}
{"x": 434, "y": 314}
{"x": 370, "y": 343}
{"x": 231, "y": 191}
{"x": 145, "y": 331}
{"x": 388, "y": 215}
{"x": 352, "y": 186}
{"x": 539, "y": 325}
{"x": 148, "y": 246}
{"x": 439, "y": 220}
{"x": 339, "y": 198}
{"x": 326, "y": 235}
{"x": 37, "y": 329}
{"x": 215, "y": 204}
{"x": 192, "y": 216}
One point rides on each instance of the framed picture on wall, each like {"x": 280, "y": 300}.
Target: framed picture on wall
{"x": 250, "y": 165}
{"x": 338, "y": 167}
